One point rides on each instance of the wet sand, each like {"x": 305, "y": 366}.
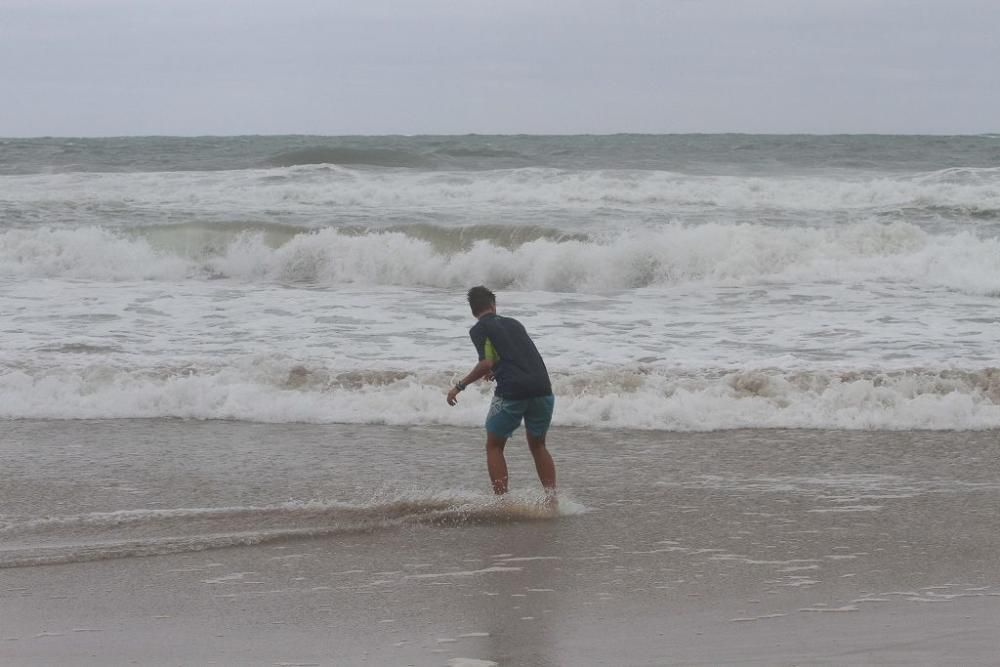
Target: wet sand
{"x": 742, "y": 548}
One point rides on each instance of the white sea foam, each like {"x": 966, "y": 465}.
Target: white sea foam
{"x": 641, "y": 399}
{"x": 659, "y": 300}
{"x": 309, "y": 189}
{"x": 672, "y": 255}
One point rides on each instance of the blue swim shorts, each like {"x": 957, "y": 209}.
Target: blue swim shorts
{"x": 505, "y": 415}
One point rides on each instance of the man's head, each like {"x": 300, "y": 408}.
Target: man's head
{"x": 481, "y": 300}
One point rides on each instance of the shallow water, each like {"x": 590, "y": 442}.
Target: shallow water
{"x": 147, "y": 482}
{"x": 380, "y": 545}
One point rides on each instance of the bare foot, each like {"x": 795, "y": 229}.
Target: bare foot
{"x": 551, "y": 501}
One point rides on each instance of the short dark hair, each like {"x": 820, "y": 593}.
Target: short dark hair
{"x": 481, "y": 299}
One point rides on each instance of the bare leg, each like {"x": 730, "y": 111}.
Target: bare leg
{"x": 495, "y": 462}
{"x": 544, "y": 465}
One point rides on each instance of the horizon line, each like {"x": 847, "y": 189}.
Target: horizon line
{"x": 508, "y": 135}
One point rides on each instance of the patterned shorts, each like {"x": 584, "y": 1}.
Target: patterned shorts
{"x": 505, "y": 415}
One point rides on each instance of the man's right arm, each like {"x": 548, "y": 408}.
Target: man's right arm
{"x": 481, "y": 369}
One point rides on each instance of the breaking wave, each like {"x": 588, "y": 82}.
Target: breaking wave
{"x": 626, "y": 397}
{"x": 508, "y": 256}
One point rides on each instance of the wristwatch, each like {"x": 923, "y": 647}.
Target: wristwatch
{"x": 460, "y": 386}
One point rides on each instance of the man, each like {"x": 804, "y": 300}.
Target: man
{"x": 508, "y": 355}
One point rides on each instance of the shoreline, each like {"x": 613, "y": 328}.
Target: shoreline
{"x": 750, "y": 548}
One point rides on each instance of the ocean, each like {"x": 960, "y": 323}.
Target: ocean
{"x": 673, "y": 283}
{"x": 224, "y": 435}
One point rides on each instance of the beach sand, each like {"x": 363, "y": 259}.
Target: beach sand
{"x": 739, "y": 547}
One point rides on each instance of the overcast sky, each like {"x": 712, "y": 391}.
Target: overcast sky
{"x": 133, "y": 67}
